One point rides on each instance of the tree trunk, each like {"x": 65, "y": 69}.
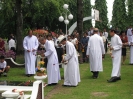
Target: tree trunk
{"x": 19, "y": 26}
{"x": 80, "y": 17}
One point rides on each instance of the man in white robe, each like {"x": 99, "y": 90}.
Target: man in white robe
{"x": 72, "y": 75}
{"x": 95, "y": 50}
{"x": 129, "y": 34}
{"x": 116, "y": 46}
{"x": 53, "y": 70}
{"x": 30, "y": 44}
{"x": 131, "y": 49}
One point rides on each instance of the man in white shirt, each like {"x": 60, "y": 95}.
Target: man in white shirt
{"x": 59, "y": 49}
{"x": 12, "y": 44}
{"x": 30, "y": 44}
{"x": 95, "y": 50}
{"x": 129, "y": 34}
{"x": 53, "y": 70}
{"x": 105, "y": 34}
{"x": 72, "y": 73}
{"x": 116, "y": 47}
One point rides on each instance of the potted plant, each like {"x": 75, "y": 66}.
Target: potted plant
{"x": 40, "y": 70}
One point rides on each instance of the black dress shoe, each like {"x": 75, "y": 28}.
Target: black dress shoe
{"x": 54, "y": 84}
{"x": 113, "y": 79}
{"x": 28, "y": 75}
{"x": 65, "y": 85}
{"x": 49, "y": 85}
{"x": 118, "y": 78}
{"x": 31, "y": 74}
{"x": 94, "y": 77}
{"x": 69, "y": 86}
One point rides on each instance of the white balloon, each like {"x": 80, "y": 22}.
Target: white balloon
{"x": 61, "y": 18}
{"x": 66, "y": 21}
{"x": 65, "y": 6}
{"x": 70, "y": 16}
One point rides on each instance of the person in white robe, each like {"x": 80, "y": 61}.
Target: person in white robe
{"x": 53, "y": 70}
{"x": 30, "y": 44}
{"x": 131, "y": 49}
{"x": 95, "y": 50}
{"x": 129, "y": 34}
{"x": 72, "y": 73}
{"x": 116, "y": 47}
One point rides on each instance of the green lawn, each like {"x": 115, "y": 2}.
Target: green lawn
{"x": 88, "y": 88}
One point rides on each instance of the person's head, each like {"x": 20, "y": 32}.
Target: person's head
{"x": 95, "y": 31}
{"x": 42, "y": 40}
{"x": 11, "y": 34}
{"x": 116, "y": 28}
{"x": 49, "y": 37}
{"x": 68, "y": 37}
{"x": 104, "y": 30}
{"x": 30, "y": 33}
{"x": 11, "y": 37}
{"x": 132, "y": 31}
{"x": 2, "y": 59}
{"x": 85, "y": 34}
{"x": 0, "y": 39}
{"x": 72, "y": 36}
{"x": 60, "y": 30}
{"x": 123, "y": 33}
{"x": 112, "y": 32}
{"x": 57, "y": 35}
{"x": 63, "y": 41}
{"x": 101, "y": 33}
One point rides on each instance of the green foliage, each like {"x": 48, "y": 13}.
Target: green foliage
{"x": 119, "y": 18}
{"x": 102, "y": 7}
{"x": 130, "y": 12}
{"x": 39, "y": 14}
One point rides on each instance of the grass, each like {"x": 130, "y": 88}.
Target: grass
{"x": 88, "y": 88}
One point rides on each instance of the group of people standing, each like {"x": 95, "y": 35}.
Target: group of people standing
{"x": 93, "y": 44}
{"x": 31, "y": 44}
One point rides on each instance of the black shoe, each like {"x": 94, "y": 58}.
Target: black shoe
{"x": 65, "y": 85}
{"x": 54, "y": 84}
{"x": 28, "y": 75}
{"x": 49, "y": 85}
{"x": 113, "y": 79}
{"x": 118, "y": 78}
{"x": 69, "y": 86}
{"x": 94, "y": 77}
{"x": 31, "y": 74}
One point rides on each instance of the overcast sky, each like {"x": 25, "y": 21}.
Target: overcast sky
{"x": 110, "y": 7}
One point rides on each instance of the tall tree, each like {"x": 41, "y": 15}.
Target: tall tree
{"x": 80, "y": 17}
{"x": 19, "y": 26}
{"x": 130, "y": 12}
{"x": 87, "y": 13}
{"x": 119, "y": 18}
{"x": 101, "y": 5}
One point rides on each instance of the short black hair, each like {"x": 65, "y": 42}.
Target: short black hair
{"x": 64, "y": 39}
{"x": 113, "y": 30}
{"x": 49, "y": 35}
{"x": 2, "y": 57}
